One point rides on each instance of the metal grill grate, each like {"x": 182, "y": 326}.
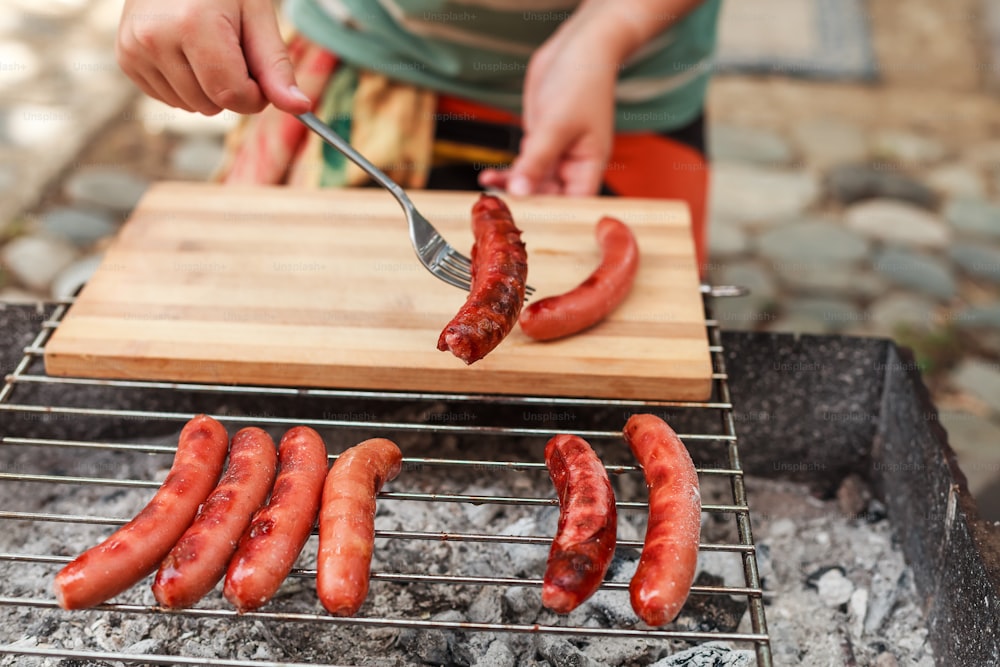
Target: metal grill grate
{"x": 27, "y": 393}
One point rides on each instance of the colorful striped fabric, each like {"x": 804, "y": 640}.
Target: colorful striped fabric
{"x": 479, "y": 50}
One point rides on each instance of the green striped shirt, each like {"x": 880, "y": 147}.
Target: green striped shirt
{"x": 478, "y": 50}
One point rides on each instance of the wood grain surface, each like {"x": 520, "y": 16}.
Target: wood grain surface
{"x": 292, "y": 287}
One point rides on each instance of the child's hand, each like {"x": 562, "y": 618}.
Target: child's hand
{"x": 569, "y": 106}
{"x": 569, "y": 95}
{"x": 208, "y": 56}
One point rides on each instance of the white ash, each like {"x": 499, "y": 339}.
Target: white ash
{"x": 838, "y": 590}
{"x": 835, "y": 585}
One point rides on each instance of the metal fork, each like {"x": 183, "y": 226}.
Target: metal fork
{"x": 436, "y": 254}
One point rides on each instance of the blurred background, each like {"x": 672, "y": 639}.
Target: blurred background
{"x": 856, "y": 176}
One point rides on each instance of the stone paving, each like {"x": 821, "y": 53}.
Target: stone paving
{"x": 835, "y": 226}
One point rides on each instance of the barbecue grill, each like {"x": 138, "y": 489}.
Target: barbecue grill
{"x": 54, "y": 428}
{"x": 35, "y": 398}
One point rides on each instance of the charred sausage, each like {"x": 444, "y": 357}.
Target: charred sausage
{"x": 347, "y": 523}
{"x": 499, "y": 272}
{"x": 595, "y": 298}
{"x": 588, "y": 522}
{"x": 279, "y": 530}
{"x": 666, "y": 569}
{"x": 135, "y": 549}
{"x": 199, "y": 559}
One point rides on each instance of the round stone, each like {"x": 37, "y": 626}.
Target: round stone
{"x": 973, "y": 215}
{"x": 907, "y": 148}
{"x": 746, "y": 312}
{"x": 74, "y": 276}
{"x": 197, "y": 157}
{"x": 827, "y": 142}
{"x": 975, "y": 440}
{"x": 978, "y": 317}
{"x": 33, "y": 261}
{"x": 829, "y": 314}
{"x": 798, "y": 325}
{"x": 850, "y": 183}
{"x": 745, "y": 193}
{"x": 979, "y": 378}
{"x": 726, "y": 240}
{"x": 920, "y": 273}
{"x": 752, "y": 275}
{"x": 813, "y": 278}
{"x": 898, "y": 222}
{"x": 957, "y": 179}
{"x": 891, "y": 312}
{"x": 79, "y": 225}
{"x": 20, "y": 64}
{"x": 981, "y": 261}
{"x": 158, "y": 117}
{"x": 36, "y": 125}
{"x": 744, "y": 144}
{"x": 106, "y": 187}
{"x": 8, "y": 177}
{"x": 811, "y": 241}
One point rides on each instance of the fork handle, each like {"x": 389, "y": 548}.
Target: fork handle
{"x": 338, "y": 142}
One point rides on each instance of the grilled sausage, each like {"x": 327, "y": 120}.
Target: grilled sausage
{"x": 592, "y": 300}
{"x": 499, "y": 272}
{"x": 588, "y": 522}
{"x": 279, "y": 530}
{"x": 199, "y": 559}
{"x": 670, "y": 553}
{"x": 347, "y": 523}
{"x": 134, "y": 550}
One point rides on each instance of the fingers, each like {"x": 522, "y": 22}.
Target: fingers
{"x": 494, "y": 178}
{"x": 550, "y": 163}
{"x": 153, "y": 84}
{"x": 268, "y": 59}
{"x": 582, "y": 178}
{"x": 207, "y": 57}
{"x": 536, "y": 166}
{"x": 218, "y": 68}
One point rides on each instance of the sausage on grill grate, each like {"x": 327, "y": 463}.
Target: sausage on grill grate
{"x": 666, "y": 569}
{"x": 135, "y": 549}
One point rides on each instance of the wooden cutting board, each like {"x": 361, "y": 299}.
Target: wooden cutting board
{"x": 281, "y": 286}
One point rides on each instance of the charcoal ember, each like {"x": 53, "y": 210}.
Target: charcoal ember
{"x": 876, "y": 511}
{"x": 812, "y": 579}
{"x": 606, "y": 651}
{"x": 431, "y": 647}
{"x": 708, "y": 613}
{"x": 727, "y": 566}
{"x": 884, "y": 594}
{"x": 561, "y": 653}
{"x": 488, "y": 606}
{"x": 498, "y": 654}
{"x": 857, "y": 608}
{"x": 521, "y": 604}
{"x": 709, "y": 654}
{"x": 834, "y": 588}
{"x": 530, "y": 559}
{"x": 484, "y": 515}
{"x": 613, "y": 608}
{"x": 765, "y": 567}
{"x": 145, "y": 646}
